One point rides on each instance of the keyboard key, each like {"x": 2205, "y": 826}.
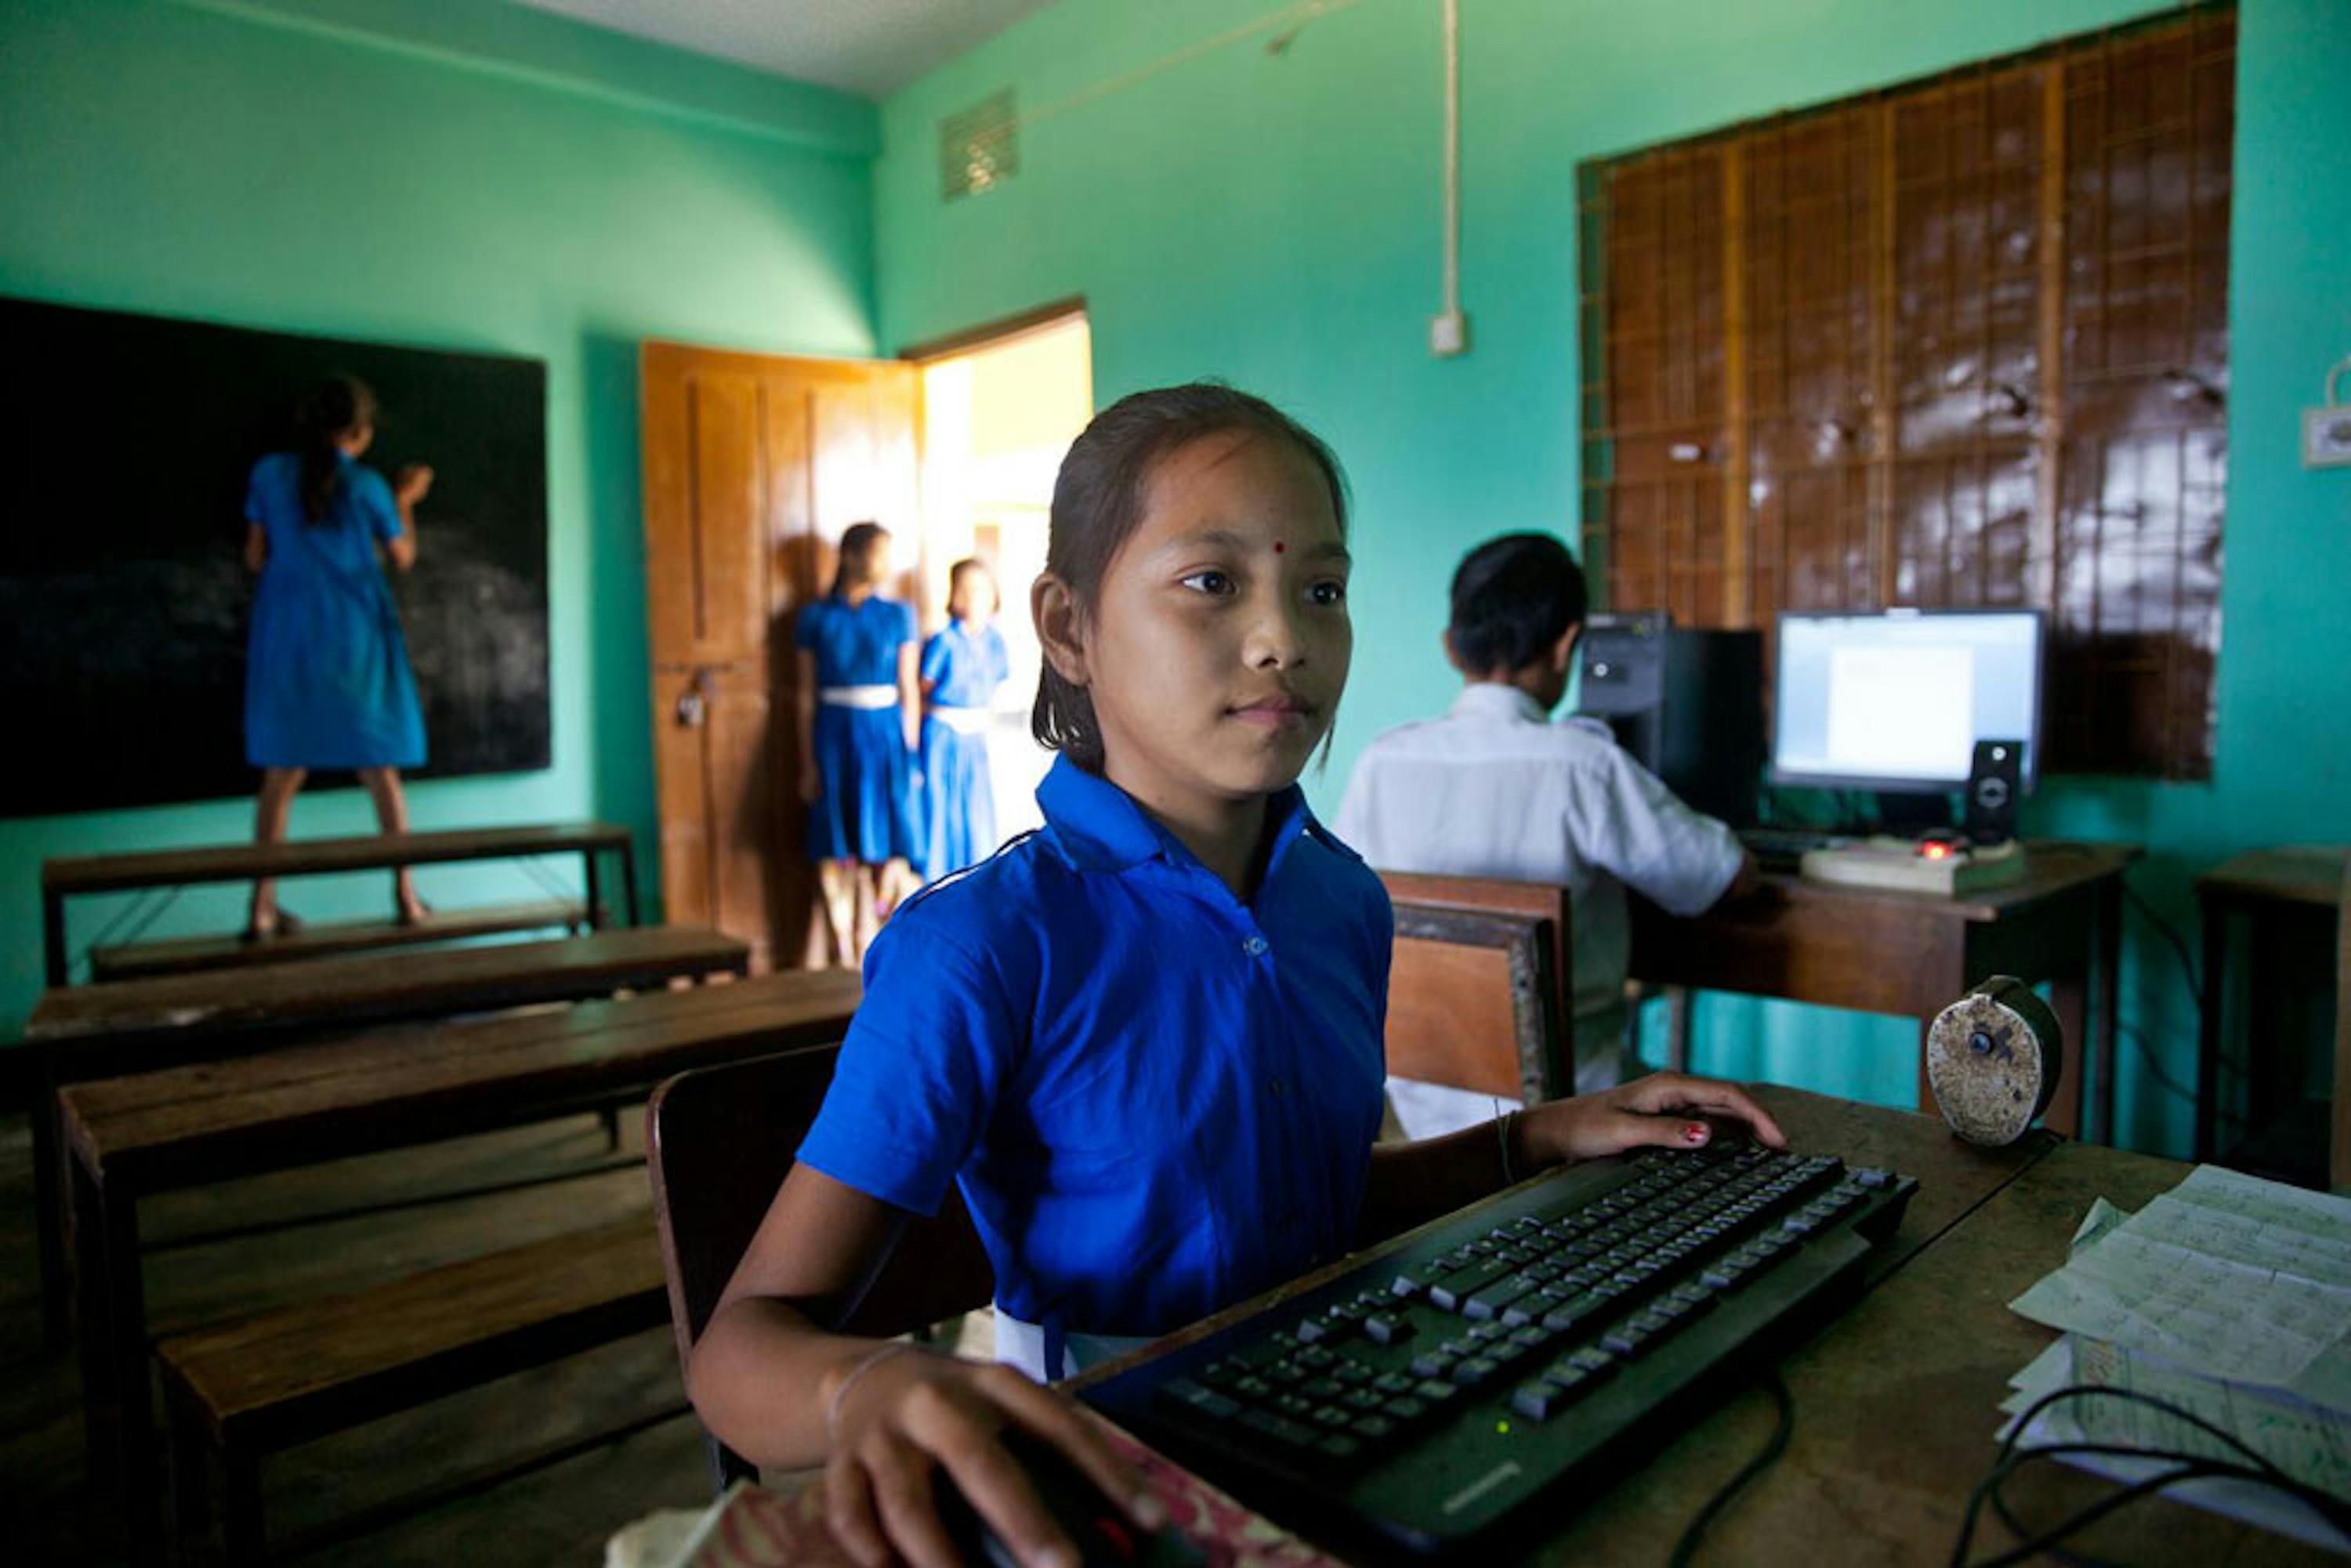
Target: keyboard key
{"x": 1490, "y": 1302}
{"x": 1294, "y": 1405}
{"x": 1477, "y": 1370}
{"x": 1322, "y": 1330}
{"x": 1435, "y": 1392}
{"x": 1392, "y": 1383}
{"x": 1873, "y": 1178}
{"x": 1405, "y": 1407}
{"x": 1353, "y": 1373}
{"x": 1283, "y": 1432}
{"x": 1450, "y": 1291}
{"x": 1323, "y": 1388}
{"x": 1434, "y": 1363}
{"x": 1314, "y": 1358}
{"x": 1538, "y": 1401}
{"x": 1251, "y": 1389}
{"x": 1361, "y": 1399}
{"x": 1376, "y": 1428}
{"x": 1207, "y": 1401}
{"x": 1338, "y": 1446}
{"x": 1592, "y": 1361}
{"x": 1382, "y": 1328}
{"x": 1334, "y": 1417}
{"x": 1628, "y": 1340}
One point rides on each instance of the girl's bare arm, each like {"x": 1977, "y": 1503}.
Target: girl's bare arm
{"x": 257, "y": 546}
{"x": 782, "y": 1392}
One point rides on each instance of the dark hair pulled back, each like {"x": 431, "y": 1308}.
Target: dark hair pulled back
{"x": 336, "y": 407}
{"x": 1098, "y": 502}
{"x": 855, "y": 562}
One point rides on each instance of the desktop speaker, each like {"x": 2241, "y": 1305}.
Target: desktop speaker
{"x": 1687, "y": 704}
{"x": 1995, "y": 779}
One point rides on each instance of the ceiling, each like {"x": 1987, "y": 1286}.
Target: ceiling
{"x": 871, "y": 47}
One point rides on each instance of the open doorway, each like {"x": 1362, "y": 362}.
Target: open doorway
{"x": 997, "y": 414}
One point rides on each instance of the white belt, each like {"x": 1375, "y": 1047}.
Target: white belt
{"x": 858, "y": 697}
{"x": 964, "y": 720}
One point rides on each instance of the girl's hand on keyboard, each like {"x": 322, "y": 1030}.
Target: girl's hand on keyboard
{"x": 1665, "y": 1110}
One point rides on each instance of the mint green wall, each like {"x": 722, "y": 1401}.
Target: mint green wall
{"x": 457, "y": 175}
{"x": 1272, "y": 219}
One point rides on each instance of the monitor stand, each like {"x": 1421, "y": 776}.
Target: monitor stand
{"x": 1906, "y": 813}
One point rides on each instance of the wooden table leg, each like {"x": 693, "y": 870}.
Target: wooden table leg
{"x": 2208, "y": 1027}
{"x": 591, "y": 878}
{"x": 2106, "y": 980}
{"x": 118, "y": 1417}
{"x": 49, "y": 1204}
{"x": 2069, "y": 998}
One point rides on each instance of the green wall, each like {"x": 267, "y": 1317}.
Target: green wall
{"x": 446, "y": 174}
{"x": 1272, "y": 219}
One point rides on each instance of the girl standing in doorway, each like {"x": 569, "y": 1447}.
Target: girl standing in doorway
{"x": 964, "y": 663}
{"x": 859, "y": 706}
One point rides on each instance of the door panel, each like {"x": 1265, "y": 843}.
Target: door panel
{"x": 754, "y": 466}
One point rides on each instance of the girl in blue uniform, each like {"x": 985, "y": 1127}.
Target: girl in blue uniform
{"x": 963, "y": 665}
{"x": 326, "y": 683}
{"x": 857, "y": 713}
{"x": 1145, "y": 1040}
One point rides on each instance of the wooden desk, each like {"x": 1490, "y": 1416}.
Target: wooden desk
{"x": 1897, "y": 1400}
{"x": 71, "y": 877}
{"x": 1914, "y": 953}
{"x": 2287, "y": 896}
{"x": 128, "y": 1026}
{"x": 157, "y": 1132}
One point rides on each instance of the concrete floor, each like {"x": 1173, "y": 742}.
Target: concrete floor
{"x": 226, "y": 1252}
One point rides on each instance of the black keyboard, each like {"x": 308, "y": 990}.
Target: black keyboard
{"x": 1783, "y": 849}
{"x": 1524, "y": 1353}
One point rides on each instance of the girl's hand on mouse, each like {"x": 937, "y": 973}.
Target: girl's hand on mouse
{"x": 1665, "y": 1110}
{"x": 415, "y": 479}
{"x": 908, "y": 1412}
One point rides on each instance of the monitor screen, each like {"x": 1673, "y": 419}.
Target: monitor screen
{"x": 1897, "y": 700}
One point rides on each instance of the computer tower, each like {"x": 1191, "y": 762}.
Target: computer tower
{"x": 1688, "y": 704}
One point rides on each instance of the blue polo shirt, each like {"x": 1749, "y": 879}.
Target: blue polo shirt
{"x": 1158, "y": 1100}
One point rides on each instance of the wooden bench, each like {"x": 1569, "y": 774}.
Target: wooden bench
{"x": 131, "y": 1138}
{"x": 82, "y": 875}
{"x": 240, "y": 1391}
{"x": 182, "y": 954}
{"x": 128, "y": 1026}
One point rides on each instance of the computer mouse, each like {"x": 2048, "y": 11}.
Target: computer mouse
{"x": 1102, "y": 1532}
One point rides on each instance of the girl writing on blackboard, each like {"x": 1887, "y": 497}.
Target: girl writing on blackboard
{"x": 327, "y": 682}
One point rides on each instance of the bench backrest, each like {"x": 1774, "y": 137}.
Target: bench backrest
{"x": 718, "y": 1143}
{"x": 1481, "y": 993}
{"x": 2339, "y": 1158}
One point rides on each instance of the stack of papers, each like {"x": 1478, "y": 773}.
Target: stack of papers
{"x": 2229, "y": 1297}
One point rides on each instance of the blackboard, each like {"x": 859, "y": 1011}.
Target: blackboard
{"x": 127, "y": 441}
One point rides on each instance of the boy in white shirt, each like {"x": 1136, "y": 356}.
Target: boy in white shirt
{"x": 1495, "y": 789}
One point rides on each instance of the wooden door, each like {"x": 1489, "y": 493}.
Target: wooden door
{"x": 754, "y": 466}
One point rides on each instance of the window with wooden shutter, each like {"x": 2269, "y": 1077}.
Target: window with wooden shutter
{"x": 1958, "y": 342}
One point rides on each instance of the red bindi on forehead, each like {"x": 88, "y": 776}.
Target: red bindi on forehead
{"x": 1279, "y": 546}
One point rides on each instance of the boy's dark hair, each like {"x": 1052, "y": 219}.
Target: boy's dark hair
{"x": 857, "y": 542}
{"x": 336, "y": 406}
{"x": 1513, "y": 599}
{"x": 1098, "y": 501}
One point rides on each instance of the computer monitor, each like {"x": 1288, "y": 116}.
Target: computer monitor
{"x": 1897, "y": 702}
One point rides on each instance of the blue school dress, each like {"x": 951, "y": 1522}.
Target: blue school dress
{"x": 964, "y": 667}
{"x": 1157, "y": 1100}
{"x": 866, "y": 811}
{"x": 327, "y": 682}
